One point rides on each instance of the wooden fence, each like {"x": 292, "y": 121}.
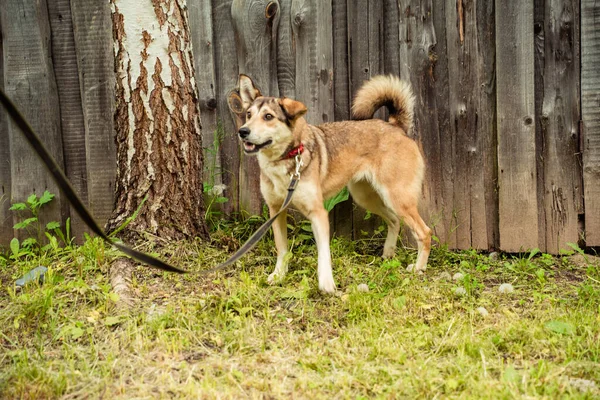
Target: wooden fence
{"x": 508, "y": 102}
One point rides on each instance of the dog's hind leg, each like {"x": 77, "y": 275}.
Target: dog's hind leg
{"x": 281, "y": 243}
{"x": 368, "y": 198}
{"x": 407, "y": 209}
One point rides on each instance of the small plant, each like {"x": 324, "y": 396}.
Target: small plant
{"x": 213, "y": 190}
{"x": 32, "y": 225}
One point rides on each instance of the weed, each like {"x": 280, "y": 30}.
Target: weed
{"x": 29, "y": 213}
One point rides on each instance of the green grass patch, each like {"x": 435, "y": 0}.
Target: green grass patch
{"x": 230, "y": 335}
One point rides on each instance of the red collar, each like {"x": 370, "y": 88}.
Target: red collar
{"x": 294, "y": 152}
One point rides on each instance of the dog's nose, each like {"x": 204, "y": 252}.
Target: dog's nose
{"x": 244, "y": 132}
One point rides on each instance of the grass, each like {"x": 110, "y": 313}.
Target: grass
{"x": 230, "y": 335}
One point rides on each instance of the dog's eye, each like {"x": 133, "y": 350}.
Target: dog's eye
{"x": 268, "y": 117}
{"x": 248, "y": 115}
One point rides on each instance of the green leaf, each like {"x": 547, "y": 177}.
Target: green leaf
{"x": 25, "y": 223}
{"x": 14, "y": 246}
{"x": 511, "y": 375}
{"x": 343, "y": 195}
{"x": 46, "y": 198}
{"x": 110, "y": 321}
{"x": 32, "y": 200}
{"x": 221, "y": 199}
{"x": 18, "y": 207}
{"x": 400, "y": 302}
{"x": 52, "y": 225}
{"x": 76, "y": 332}
{"x": 29, "y": 242}
{"x": 561, "y": 327}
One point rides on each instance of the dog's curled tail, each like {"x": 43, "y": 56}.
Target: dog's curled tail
{"x": 389, "y": 91}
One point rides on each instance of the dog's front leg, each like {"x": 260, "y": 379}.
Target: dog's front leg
{"x": 281, "y": 243}
{"x": 320, "y": 226}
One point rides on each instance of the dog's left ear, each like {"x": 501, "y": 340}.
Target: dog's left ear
{"x": 248, "y": 91}
{"x": 234, "y": 101}
{"x": 293, "y": 109}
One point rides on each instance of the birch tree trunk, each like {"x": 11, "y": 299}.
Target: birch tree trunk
{"x": 157, "y": 122}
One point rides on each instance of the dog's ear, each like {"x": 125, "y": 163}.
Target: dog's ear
{"x": 234, "y": 101}
{"x": 236, "y": 106}
{"x": 248, "y": 91}
{"x": 292, "y": 109}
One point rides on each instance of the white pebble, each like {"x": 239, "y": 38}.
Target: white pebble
{"x": 458, "y": 276}
{"x": 493, "y": 256}
{"x": 506, "y": 288}
{"x": 460, "y": 291}
{"x": 583, "y": 385}
{"x": 363, "y": 288}
{"x": 444, "y": 276}
{"x": 482, "y": 311}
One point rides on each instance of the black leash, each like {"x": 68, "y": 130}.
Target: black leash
{"x": 87, "y": 218}
{"x": 260, "y": 232}
{"x": 67, "y": 189}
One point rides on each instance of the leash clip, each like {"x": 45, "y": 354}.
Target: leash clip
{"x": 299, "y": 165}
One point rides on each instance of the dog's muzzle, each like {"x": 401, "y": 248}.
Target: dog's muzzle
{"x": 250, "y": 147}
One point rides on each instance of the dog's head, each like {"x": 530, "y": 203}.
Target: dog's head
{"x": 264, "y": 123}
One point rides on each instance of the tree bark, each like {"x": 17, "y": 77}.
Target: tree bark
{"x": 157, "y": 122}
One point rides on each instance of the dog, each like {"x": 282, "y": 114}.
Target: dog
{"x": 381, "y": 166}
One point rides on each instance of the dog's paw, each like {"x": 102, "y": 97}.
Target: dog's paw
{"x": 389, "y": 253}
{"x": 413, "y": 268}
{"x": 274, "y": 278}
{"x": 327, "y": 286}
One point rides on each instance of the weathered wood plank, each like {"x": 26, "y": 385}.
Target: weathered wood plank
{"x": 255, "y": 24}
{"x": 71, "y": 112}
{"x": 286, "y": 52}
{"x": 365, "y": 55}
{"x": 312, "y": 29}
{"x": 471, "y": 115}
{"x": 486, "y": 123}
{"x": 559, "y": 126}
{"x": 342, "y": 213}
{"x": 518, "y": 202}
{"x": 590, "y": 107}
{"x": 92, "y": 28}
{"x": 391, "y": 38}
{"x": 6, "y": 230}
{"x": 29, "y": 81}
{"x": 201, "y": 31}
{"x": 226, "y": 77}
{"x": 423, "y": 62}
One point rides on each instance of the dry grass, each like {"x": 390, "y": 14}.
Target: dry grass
{"x": 230, "y": 335}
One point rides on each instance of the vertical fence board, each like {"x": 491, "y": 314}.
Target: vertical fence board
{"x": 518, "y": 202}
{"x": 226, "y": 75}
{"x": 255, "y": 25}
{"x": 365, "y": 20}
{"x": 469, "y": 108}
{"x": 486, "y": 124}
{"x": 6, "y": 230}
{"x": 71, "y": 112}
{"x": 560, "y": 125}
{"x": 201, "y": 31}
{"x": 312, "y": 29}
{"x": 29, "y": 81}
{"x": 286, "y": 52}
{"x": 342, "y": 223}
{"x": 92, "y": 25}
{"x": 590, "y": 107}
{"x": 422, "y": 62}
{"x": 391, "y": 39}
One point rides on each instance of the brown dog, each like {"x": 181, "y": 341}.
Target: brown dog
{"x": 382, "y": 167}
